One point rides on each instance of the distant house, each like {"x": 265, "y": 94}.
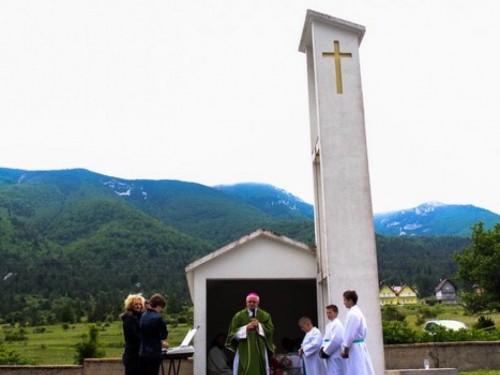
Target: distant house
{"x": 387, "y": 295}
{"x": 446, "y": 292}
{"x": 407, "y": 295}
{"x": 397, "y": 295}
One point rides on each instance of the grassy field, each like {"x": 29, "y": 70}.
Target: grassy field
{"x": 56, "y": 346}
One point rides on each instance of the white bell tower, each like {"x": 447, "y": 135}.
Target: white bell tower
{"x": 345, "y": 237}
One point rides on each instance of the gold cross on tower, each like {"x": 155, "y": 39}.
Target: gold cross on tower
{"x": 337, "y": 55}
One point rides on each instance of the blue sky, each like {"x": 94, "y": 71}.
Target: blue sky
{"x": 215, "y": 92}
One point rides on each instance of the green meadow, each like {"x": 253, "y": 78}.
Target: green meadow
{"x": 55, "y": 344}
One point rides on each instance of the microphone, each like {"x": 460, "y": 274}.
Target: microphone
{"x": 253, "y": 313}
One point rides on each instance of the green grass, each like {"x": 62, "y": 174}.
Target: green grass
{"x": 482, "y": 372}
{"x": 56, "y": 346}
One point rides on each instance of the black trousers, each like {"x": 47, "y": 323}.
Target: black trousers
{"x": 132, "y": 364}
{"x": 150, "y": 365}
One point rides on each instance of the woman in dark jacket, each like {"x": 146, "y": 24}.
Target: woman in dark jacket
{"x": 134, "y": 306}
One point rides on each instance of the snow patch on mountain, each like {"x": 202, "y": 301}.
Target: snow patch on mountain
{"x": 124, "y": 193}
{"x": 412, "y": 226}
{"x": 124, "y": 189}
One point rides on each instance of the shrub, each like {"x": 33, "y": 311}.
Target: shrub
{"x": 484, "y": 322}
{"x": 397, "y": 332}
{"x": 442, "y": 334}
{"x": 90, "y": 347}
{"x": 16, "y": 335}
{"x": 10, "y": 357}
{"x": 427, "y": 313}
{"x": 392, "y": 313}
{"x": 39, "y": 330}
{"x": 473, "y": 303}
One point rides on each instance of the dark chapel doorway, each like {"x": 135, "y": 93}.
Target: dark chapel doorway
{"x": 287, "y": 300}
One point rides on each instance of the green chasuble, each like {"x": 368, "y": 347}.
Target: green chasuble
{"x": 252, "y": 351}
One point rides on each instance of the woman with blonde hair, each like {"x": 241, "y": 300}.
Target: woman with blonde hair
{"x": 134, "y": 307}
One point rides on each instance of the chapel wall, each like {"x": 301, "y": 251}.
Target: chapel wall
{"x": 466, "y": 356}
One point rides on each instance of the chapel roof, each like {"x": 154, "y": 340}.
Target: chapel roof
{"x": 244, "y": 240}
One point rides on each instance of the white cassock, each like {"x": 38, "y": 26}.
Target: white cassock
{"x": 332, "y": 346}
{"x": 359, "y": 361}
{"x": 313, "y": 363}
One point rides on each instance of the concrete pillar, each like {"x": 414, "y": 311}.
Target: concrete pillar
{"x": 345, "y": 235}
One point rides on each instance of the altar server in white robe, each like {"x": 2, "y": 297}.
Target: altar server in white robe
{"x": 354, "y": 348}
{"x": 332, "y": 343}
{"x": 309, "y": 350}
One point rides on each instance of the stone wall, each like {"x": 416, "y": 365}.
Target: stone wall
{"x": 465, "y": 356}
{"x": 41, "y": 370}
{"x": 92, "y": 366}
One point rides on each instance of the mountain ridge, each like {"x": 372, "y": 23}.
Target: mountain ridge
{"x": 215, "y": 211}
{"x": 271, "y": 199}
{"x": 203, "y": 212}
{"x": 434, "y": 218}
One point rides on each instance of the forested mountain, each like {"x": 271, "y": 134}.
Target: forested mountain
{"x": 66, "y": 237}
{"x": 73, "y": 243}
{"x": 434, "y": 219}
{"x": 276, "y": 202}
{"x": 202, "y": 212}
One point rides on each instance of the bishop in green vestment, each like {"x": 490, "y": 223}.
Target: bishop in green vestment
{"x": 251, "y": 337}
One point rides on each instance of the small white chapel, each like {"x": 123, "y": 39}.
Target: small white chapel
{"x": 280, "y": 270}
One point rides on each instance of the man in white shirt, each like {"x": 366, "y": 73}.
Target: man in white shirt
{"x": 332, "y": 343}
{"x": 311, "y": 345}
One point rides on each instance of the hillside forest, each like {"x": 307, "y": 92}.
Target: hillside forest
{"x": 74, "y": 243}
